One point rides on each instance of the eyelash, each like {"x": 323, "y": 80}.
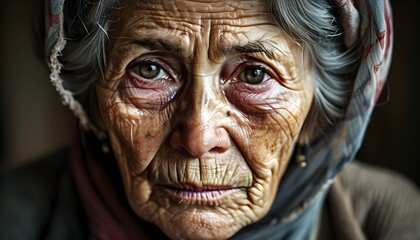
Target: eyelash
{"x": 241, "y": 64}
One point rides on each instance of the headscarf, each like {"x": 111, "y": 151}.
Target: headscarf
{"x": 366, "y": 22}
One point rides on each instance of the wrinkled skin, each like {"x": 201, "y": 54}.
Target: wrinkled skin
{"x": 203, "y": 103}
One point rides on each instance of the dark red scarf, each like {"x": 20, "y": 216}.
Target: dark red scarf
{"x": 107, "y": 216}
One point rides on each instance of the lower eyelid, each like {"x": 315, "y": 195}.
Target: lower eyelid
{"x": 252, "y": 98}
{"x": 148, "y": 98}
{"x": 146, "y": 94}
{"x": 133, "y": 79}
{"x": 252, "y": 88}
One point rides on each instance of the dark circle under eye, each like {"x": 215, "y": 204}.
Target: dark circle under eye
{"x": 149, "y": 70}
{"x": 253, "y": 75}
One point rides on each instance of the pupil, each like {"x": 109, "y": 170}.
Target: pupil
{"x": 149, "y": 71}
{"x": 254, "y": 75}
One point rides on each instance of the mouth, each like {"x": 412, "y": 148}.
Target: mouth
{"x": 205, "y": 195}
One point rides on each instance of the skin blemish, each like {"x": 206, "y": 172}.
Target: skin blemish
{"x": 148, "y": 136}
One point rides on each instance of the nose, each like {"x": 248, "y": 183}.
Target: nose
{"x": 198, "y": 126}
{"x": 200, "y": 138}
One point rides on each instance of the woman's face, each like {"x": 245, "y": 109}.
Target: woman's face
{"x": 203, "y": 103}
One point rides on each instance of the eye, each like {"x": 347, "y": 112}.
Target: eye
{"x": 253, "y": 75}
{"x": 151, "y": 81}
{"x": 150, "y": 70}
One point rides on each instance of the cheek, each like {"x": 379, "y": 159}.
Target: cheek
{"x": 273, "y": 134}
{"x": 135, "y": 139}
{"x": 270, "y": 145}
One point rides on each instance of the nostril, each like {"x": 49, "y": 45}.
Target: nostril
{"x": 224, "y": 141}
{"x": 218, "y": 150}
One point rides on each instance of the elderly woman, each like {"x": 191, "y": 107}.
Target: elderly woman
{"x": 214, "y": 120}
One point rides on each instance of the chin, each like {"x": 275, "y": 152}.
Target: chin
{"x": 199, "y": 212}
{"x": 200, "y": 224}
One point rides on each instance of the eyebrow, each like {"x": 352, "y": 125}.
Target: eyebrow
{"x": 162, "y": 44}
{"x": 158, "y": 44}
{"x": 251, "y": 47}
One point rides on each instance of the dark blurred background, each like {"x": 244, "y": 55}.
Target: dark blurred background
{"x": 33, "y": 122}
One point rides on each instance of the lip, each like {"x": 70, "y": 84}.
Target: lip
{"x": 198, "y": 195}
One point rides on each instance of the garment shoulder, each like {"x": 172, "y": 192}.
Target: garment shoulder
{"x": 30, "y": 197}
{"x": 386, "y": 204}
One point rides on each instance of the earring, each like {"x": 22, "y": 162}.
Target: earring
{"x": 300, "y": 158}
{"x": 105, "y": 148}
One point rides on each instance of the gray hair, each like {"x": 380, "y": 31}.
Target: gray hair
{"x": 315, "y": 25}
{"x": 311, "y": 23}
{"x": 84, "y": 56}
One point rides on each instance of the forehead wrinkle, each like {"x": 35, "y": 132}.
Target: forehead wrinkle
{"x": 202, "y": 9}
{"x": 204, "y": 37}
{"x": 176, "y": 18}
